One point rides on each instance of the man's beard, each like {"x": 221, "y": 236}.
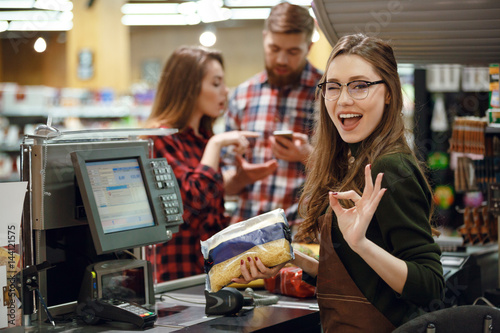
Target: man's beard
{"x": 292, "y": 78}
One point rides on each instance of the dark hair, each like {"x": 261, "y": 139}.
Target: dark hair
{"x": 180, "y": 86}
{"x": 328, "y": 165}
{"x": 290, "y": 19}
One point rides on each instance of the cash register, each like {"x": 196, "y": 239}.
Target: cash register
{"x": 96, "y": 199}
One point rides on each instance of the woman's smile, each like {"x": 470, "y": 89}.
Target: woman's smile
{"x": 350, "y": 120}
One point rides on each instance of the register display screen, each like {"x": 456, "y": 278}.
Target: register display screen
{"x": 120, "y": 195}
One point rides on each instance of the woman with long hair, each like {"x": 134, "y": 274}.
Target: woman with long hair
{"x": 379, "y": 265}
{"x": 191, "y": 94}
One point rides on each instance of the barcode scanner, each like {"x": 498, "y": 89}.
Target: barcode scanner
{"x": 223, "y": 302}
{"x": 229, "y": 301}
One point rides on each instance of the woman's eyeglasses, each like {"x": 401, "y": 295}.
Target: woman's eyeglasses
{"x": 357, "y": 89}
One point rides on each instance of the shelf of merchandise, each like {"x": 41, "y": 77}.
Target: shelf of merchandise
{"x": 84, "y": 111}
{"x": 492, "y": 129}
{"x": 100, "y": 113}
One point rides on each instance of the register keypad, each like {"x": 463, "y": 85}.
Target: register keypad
{"x": 165, "y": 181}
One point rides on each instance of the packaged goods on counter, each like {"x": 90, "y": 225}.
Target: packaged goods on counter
{"x": 266, "y": 236}
{"x": 289, "y": 282}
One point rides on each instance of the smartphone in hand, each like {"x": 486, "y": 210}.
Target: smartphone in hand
{"x": 287, "y": 134}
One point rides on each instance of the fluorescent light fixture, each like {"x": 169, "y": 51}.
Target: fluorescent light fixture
{"x": 311, "y": 12}
{"x": 250, "y": 13}
{"x": 61, "y": 5}
{"x": 305, "y": 3}
{"x": 150, "y": 8}
{"x": 4, "y": 25}
{"x": 251, "y": 3}
{"x": 29, "y": 15}
{"x": 66, "y": 16}
{"x": 154, "y": 20}
{"x": 264, "y": 3}
{"x": 40, "y": 26}
{"x": 16, "y": 3}
{"x": 220, "y": 14}
{"x": 187, "y": 8}
{"x": 315, "y": 36}
{"x": 212, "y": 11}
{"x": 192, "y": 19}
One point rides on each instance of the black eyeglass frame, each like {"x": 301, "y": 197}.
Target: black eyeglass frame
{"x": 368, "y": 83}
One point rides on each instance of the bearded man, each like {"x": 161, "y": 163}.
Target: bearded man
{"x": 281, "y": 98}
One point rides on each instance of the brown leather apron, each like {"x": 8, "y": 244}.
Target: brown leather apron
{"x": 343, "y": 307}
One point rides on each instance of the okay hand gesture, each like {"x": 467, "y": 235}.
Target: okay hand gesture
{"x": 353, "y": 222}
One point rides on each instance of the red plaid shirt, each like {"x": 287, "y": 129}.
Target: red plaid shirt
{"x": 202, "y": 193}
{"x": 257, "y": 106}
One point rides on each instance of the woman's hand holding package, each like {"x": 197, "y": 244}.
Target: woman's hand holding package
{"x": 257, "y": 271}
{"x": 353, "y": 222}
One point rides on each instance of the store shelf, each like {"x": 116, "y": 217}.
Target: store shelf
{"x": 84, "y": 111}
{"x": 10, "y": 148}
{"x": 492, "y": 129}
{"x": 12, "y": 178}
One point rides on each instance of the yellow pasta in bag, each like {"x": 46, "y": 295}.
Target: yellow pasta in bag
{"x": 266, "y": 236}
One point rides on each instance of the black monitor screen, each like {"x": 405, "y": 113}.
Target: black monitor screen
{"x": 126, "y": 198}
{"x": 120, "y": 195}
{"x": 128, "y": 285}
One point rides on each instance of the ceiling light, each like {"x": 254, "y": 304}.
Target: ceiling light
{"x": 40, "y": 45}
{"x": 311, "y": 12}
{"x": 192, "y": 19}
{"x": 315, "y": 36}
{"x": 187, "y": 8}
{"x": 306, "y": 3}
{"x": 150, "y": 8}
{"x": 250, "y": 13}
{"x": 29, "y": 15}
{"x": 251, "y": 3}
{"x": 16, "y": 3}
{"x": 61, "y": 5}
{"x": 66, "y": 16}
{"x": 264, "y": 3}
{"x": 4, "y": 25}
{"x": 154, "y": 20}
{"x": 208, "y": 39}
{"x": 220, "y": 14}
{"x": 40, "y": 26}
{"x": 212, "y": 11}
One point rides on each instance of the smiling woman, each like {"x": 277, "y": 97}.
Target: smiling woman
{"x": 379, "y": 265}
{"x": 360, "y": 136}
{"x": 357, "y": 110}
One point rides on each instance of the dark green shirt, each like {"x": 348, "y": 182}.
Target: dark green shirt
{"x": 401, "y": 227}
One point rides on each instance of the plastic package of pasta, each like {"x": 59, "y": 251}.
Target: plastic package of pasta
{"x": 266, "y": 236}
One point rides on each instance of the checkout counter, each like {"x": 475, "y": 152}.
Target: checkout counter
{"x": 63, "y": 225}
{"x": 181, "y": 308}
{"x": 180, "y": 304}
{"x": 76, "y": 182}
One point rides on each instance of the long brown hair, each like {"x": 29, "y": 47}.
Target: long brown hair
{"x": 328, "y": 166}
{"x": 180, "y": 86}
